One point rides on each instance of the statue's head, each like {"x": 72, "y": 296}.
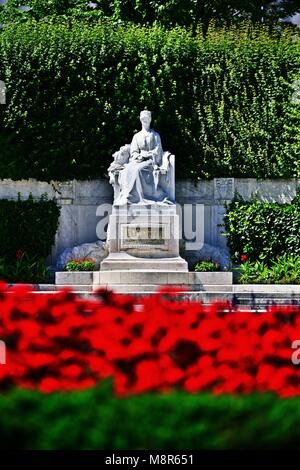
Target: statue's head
{"x": 145, "y": 118}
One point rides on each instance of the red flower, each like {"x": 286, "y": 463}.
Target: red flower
{"x": 72, "y": 371}
{"x": 19, "y": 254}
{"x": 49, "y": 385}
{"x": 60, "y": 342}
{"x": 148, "y": 376}
{"x": 244, "y": 258}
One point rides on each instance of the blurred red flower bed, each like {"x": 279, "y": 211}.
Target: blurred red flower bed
{"x": 62, "y": 342}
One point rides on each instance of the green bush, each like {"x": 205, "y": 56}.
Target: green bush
{"x": 223, "y": 104}
{"x": 26, "y": 269}
{"x": 95, "y": 419}
{"x": 207, "y": 266}
{"x": 282, "y": 270}
{"x": 27, "y": 234}
{"x": 262, "y": 230}
{"x": 28, "y": 225}
{"x": 86, "y": 264}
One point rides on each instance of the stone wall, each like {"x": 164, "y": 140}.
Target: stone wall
{"x": 82, "y": 203}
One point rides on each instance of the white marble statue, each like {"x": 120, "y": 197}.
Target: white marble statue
{"x": 141, "y": 172}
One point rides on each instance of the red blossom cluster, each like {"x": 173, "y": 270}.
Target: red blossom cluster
{"x": 82, "y": 260}
{"x": 63, "y": 342}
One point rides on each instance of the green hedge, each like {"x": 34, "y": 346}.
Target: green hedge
{"x": 95, "y": 419}
{"x": 222, "y": 104}
{"x": 262, "y": 230}
{"x": 27, "y": 234}
{"x": 28, "y": 225}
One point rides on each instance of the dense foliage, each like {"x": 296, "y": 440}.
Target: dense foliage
{"x": 29, "y": 269}
{"x": 95, "y": 419}
{"x": 263, "y": 230}
{"x": 167, "y": 12}
{"x": 60, "y": 342}
{"x": 222, "y": 104}
{"x": 84, "y": 264}
{"x": 27, "y": 234}
{"x": 28, "y": 226}
{"x": 281, "y": 270}
{"x": 207, "y": 266}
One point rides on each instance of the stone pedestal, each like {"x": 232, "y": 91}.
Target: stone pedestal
{"x": 145, "y": 280}
{"x": 144, "y": 237}
{"x": 125, "y": 262}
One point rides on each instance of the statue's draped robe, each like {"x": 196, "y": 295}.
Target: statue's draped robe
{"x": 139, "y": 179}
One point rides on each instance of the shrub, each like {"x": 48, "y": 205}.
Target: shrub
{"x": 95, "y": 419}
{"x": 282, "y": 270}
{"x": 24, "y": 269}
{"x": 27, "y": 234}
{"x": 86, "y": 264}
{"x": 28, "y": 226}
{"x": 207, "y": 266}
{"x": 223, "y": 104}
{"x": 260, "y": 230}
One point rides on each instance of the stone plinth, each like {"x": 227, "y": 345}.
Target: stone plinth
{"x": 126, "y": 262}
{"x": 144, "y": 237}
{"x": 153, "y": 278}
{"x": 145, "y": 280}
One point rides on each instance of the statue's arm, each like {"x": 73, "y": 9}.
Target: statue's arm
{"x": 159, "y": 144}
{"x": 158, "y": 148}
{"x": 134, "y": 149}
{"x": 157, "y": 152}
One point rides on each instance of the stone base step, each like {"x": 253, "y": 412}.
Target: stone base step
{"x": 162, "y": 278}
{"x": 256, "y": 297}
{"x": 75, "y": 288}
{"x": 141, "y": 278}
{"x": 152, "y": 288}
{"x": 126, "y": 262}
{"x": 258, "y": 302}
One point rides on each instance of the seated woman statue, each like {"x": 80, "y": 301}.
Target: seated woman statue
{"x": 146, "y": 177}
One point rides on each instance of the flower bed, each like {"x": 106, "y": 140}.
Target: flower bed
{"x": 63, "y": 342}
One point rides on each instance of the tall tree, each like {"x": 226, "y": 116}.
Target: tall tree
{"x": 187, "y": 13}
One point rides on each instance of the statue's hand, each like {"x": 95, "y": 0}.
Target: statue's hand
{"x": 144, "y": 157}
